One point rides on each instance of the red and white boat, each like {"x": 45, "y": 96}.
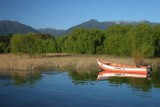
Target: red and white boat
{"x": 108, "y": 66}
{"x": 107, "y": 74}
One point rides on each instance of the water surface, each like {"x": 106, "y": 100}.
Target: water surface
{"x": 76, "y": 89}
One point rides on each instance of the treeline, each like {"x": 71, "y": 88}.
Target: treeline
{"x": 119, "y": 40}
{"x": 29, "y": 44}
{"x": 83, "y": 41}
{"x": 5, "y": 43}
{"x": 32, "y": 44}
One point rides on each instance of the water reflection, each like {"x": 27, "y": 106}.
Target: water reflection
{"x": 21, "y": 78}
{"x": 29, "y": 78}
{"x": 83, "y": 77}
{"x": 139, "y": 84}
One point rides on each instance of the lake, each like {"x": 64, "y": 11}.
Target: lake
{"x": 76, "y": 89}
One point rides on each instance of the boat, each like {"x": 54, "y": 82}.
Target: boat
{"x": 114, "y": 67}
{"x": 107, "y": 74}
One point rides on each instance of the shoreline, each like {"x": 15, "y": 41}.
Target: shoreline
{"x": 63, "y": 62}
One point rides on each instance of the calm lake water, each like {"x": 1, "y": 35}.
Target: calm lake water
{"x": 76, "y": 89}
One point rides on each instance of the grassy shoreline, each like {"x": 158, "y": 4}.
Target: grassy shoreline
{"x": 63, "y": 62}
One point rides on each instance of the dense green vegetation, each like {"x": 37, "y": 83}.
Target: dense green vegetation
{"x": 119, "y": 40}
{"x": 4, "y": 43}
{"x": 84, "y": 41}
{"x": 32, "y": 44}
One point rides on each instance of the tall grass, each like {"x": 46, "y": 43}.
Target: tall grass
{"x": 13, "y": 62}
{"x": 61, "y": 62}
{"x": 138, "y": 58}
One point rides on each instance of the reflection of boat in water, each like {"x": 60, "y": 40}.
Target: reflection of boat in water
{"x": 107, "y": 66}
{"x": 107, "y": 74}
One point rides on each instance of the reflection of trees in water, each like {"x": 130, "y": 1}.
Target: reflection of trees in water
{"x": 26, "y": 77}
{"x": 23, "y": 77}
{"x": 156, "y": 79}
{"x": 139, "y": 83}
{"x": 83, "y": 77}
{"x": 86, "y": 77}
{"x": 135, "y": 83}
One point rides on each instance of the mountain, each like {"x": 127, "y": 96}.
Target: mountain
{"x": 121, "y": 22}
{"x": 54, "y": 32}
{"x": 94, "y": 24}
{"x": 104, "y": 25}
{"x": 88, "y": 24}
{"x": 13, "y": 27}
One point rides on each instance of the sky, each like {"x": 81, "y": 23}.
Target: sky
{"x": 63, "y": 14}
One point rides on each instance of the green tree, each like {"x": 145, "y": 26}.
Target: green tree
{"x": 84, "y": 41}
{"x": 2, "y": 47}
{"x": 60, "y": 42}
{"x": 32, "y": 44}
{"x": 117, "y": 40}
{"x": 50, "y": 46}
{"x": 16, "y": 44}
{"x": 156, "y": 34}
{"x": 142, "y": 40}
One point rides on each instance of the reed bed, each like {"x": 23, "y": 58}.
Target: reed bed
{"x": 61, "y": 62}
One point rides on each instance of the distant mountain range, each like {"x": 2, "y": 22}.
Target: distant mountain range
{"x": 12, "y": 27}
{"x": 93, "y": 24}
{"x": 52, "y": 31}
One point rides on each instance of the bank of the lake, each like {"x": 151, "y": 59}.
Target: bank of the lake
{"x": 64, "y": 61}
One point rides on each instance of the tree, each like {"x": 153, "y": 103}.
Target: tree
{"x": 32, "y": 44}
{"x": 117, "y": 40}
{"x": 2, "y": 47}
{"x": 50, "y": 46}
{"x": 142, "y": 40}
{"x": 84, "y": 41}
{"x": 60, "y": 41}
{"x": 17, "y": 44}
{"x": 156, "y": 37}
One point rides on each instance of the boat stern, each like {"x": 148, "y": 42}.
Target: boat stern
{"x": 149, "y": 72}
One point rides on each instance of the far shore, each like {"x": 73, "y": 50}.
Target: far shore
{"x": 63, "y": 62}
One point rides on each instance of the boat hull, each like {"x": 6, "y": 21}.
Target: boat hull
{"x": 120, "y": 67}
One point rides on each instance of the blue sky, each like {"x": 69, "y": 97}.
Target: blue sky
{"x": 63, "y": 14}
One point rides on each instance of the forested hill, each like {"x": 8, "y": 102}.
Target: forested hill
{"x": 13, "y": 27}
{"x": 93, "y": 24}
